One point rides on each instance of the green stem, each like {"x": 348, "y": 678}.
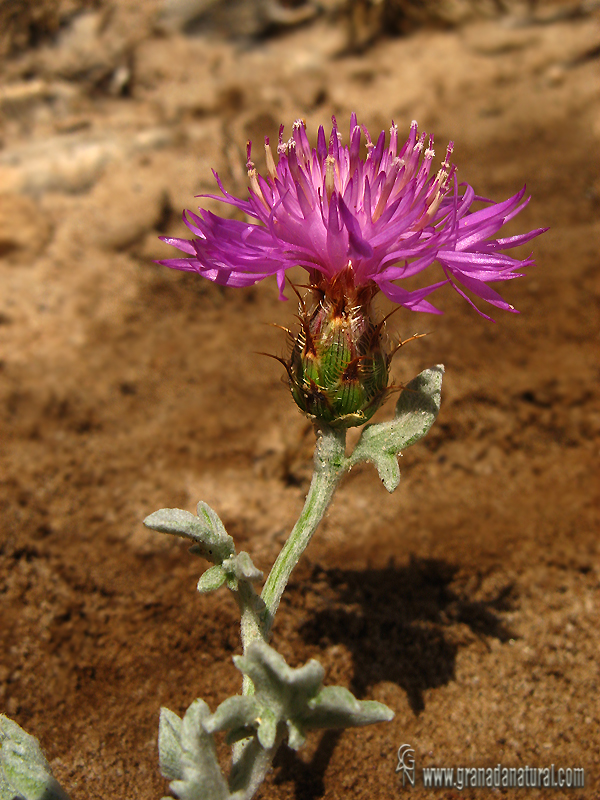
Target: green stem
{"x": 251, "y": 607}
{"x": 258, "y": 613}
{"x": 330, "y": 465}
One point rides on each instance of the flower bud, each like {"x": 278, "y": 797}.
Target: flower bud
{"x": 339, "y": 366}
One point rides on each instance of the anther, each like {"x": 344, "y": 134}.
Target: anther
{"x": 249, "y": 162}
{"x": 329, "y": 176}
{"x": 271, "y": 169}
{"x": 253, "y": 178}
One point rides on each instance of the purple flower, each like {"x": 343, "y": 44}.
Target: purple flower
{"x": 382, "y": 218}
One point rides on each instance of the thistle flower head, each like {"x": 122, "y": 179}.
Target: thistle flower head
{"x": 385, "y": 217}
{"x": 358, "y": 226}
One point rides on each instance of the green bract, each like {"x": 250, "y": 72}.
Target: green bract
{"x": 339, "y": 378}
{"x": 339, "y": 366}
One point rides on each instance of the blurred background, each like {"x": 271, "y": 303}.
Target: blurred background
{"x": 468, "y": 600}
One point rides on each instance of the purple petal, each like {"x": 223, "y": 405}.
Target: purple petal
{"x": 357, "y": 242}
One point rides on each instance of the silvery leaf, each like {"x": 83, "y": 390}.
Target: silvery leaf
{"x": 212, "y": 579}
{"x": 245, "y": 569}
{"x": 169, "y": 745}
{"x": 416, "y": 410}
{"x": 336, "y": 707}
{"x": 296, "y": 697}
{"x": 233, "y": 569}
{"x": 206, "y": 530}
{"x": 196, "y": 771}
{"x": 238, "y": 715}
{"x": 24, "y": 771}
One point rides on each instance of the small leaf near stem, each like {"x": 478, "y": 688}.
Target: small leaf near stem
{"x": 416, "y": 411}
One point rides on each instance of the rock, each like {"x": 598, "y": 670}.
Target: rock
{"x": 122, "y": 208}
{"x": 23, "y": 93}
{"x": 24, "y": 231}
{"x": 72, "y": 162}
{"x": 233, "y": 18}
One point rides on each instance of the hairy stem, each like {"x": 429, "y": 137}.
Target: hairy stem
{"x": 251, "y": 607}
{"x": 330, "y": 464}
{"x": 258, "y": 613}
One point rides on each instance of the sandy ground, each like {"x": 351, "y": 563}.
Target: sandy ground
{"x": 468, "y": 600}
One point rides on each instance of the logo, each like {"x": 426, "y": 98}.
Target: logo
{"x": 406, "y": 764}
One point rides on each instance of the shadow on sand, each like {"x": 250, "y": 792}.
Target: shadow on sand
{"x": 400, "y": 624}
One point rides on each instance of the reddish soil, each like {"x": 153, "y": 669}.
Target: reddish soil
{"x": 468, "y": 600}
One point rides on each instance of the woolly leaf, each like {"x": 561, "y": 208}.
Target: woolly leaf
{"x": 244, "y": 568}
{"x": 206, "y": 530}
{"x": 212, "y": 579}
{"x": 416, "y": 410}
{"x": 24, "y": 771}
{"x": 336, "y": 707}
{"x": 238, "y": 715}
{"x": 196, "y": 771}
{"x": 169, "y": 745}
{"x": 295, "y": 696}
